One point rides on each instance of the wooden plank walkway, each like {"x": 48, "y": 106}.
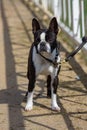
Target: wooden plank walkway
{"x": 15, "y": 40}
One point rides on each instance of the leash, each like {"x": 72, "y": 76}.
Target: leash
{"x": 55, "y": 63}
{"x": 49, "y": 60}
{"x": 71, "y": 55}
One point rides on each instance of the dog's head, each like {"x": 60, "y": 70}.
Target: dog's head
{"x": 45, "y": 39}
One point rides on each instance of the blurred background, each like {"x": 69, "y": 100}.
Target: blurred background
{"x": 16, "y": 38}
{"x": 71, "y": 15}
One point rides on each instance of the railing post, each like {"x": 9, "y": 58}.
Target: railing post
{"x": 82, "y": 13}
{"x": 55, "y": 8}
{"x": 36, "y": 2}
{"x": 64, "y": 10}
{"x": 76, "y": 18}
{"x": 69, "y": 13}
{"x": 44, "y": 3}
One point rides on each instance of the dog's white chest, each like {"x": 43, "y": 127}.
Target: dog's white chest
{"x": 42, "y": 66}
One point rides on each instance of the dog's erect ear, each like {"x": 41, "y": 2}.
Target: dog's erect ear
{"x": 53, "y": 25}
{"x": 35, "y": 25}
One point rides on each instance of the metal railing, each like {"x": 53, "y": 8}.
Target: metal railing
{"x": 71, "y": 15}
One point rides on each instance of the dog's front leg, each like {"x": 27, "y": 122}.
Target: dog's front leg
{"x": 54, "y": 85}
{"x": 31, "y": 85}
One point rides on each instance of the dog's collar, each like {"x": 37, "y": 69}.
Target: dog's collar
{"x": 55, "y": 63}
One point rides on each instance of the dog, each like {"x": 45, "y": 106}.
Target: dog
{"x": 44, "y": 59}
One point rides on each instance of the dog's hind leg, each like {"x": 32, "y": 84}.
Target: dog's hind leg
{"x": 54, "y": 86}
{"x": 48, "y": 86}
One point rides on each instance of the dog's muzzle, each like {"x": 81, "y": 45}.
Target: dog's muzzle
{"x": 43, "y": 47}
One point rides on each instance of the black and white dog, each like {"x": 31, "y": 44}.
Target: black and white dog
{"x": 43, "y": 59}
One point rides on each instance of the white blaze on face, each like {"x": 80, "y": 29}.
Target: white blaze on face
{"x": 42, "y": 36}
{"x": 43, "y": 39}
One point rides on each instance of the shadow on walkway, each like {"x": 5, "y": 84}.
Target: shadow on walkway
{"x": 12, "y": 95}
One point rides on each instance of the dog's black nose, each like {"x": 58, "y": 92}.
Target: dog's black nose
{"x": 42, "y": 44}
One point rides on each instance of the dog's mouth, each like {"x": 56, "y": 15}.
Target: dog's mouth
{"x": 45, "y": 53}
{"x": 43, "y": 48}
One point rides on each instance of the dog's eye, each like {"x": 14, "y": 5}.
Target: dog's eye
{"x": 50, "y": 37}
{"x": 37, "y": 38}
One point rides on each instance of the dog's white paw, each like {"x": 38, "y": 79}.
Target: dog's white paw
{"x": 55, "y": 107}
{"x": 29, "y": 107}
